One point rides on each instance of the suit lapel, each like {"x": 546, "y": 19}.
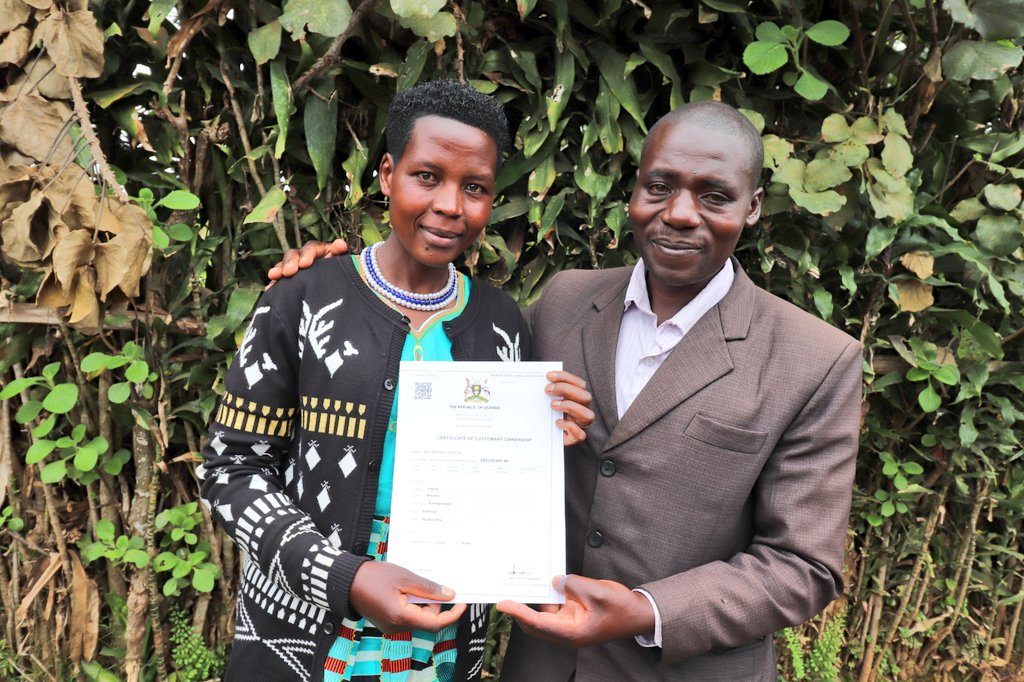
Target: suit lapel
{"x": 701, "y": 357}
{"x": 600, "y": 339}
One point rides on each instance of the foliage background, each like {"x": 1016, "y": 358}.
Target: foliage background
{"x": 157, "y": 156}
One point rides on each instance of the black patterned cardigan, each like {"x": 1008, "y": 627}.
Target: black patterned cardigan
{"x": 291, "y": 465}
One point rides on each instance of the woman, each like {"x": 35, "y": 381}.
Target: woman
{"x": 299, "y": 463}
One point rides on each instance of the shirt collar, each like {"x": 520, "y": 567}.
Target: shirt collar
{"x": 710, "y": 295}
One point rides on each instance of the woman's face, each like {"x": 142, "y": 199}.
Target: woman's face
{"x": 441, "y": 190}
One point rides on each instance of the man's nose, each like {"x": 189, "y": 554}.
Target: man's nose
{"x": 682, "y": 211}
{"x": 448, "y": 200}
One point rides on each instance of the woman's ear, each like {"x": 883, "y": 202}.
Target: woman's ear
{"x": 384, "y": 171}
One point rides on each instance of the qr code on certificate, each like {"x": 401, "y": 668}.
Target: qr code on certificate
{"x": 423, "y": 389}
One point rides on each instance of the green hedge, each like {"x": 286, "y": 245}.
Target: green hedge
{"x": 894, "y": 165}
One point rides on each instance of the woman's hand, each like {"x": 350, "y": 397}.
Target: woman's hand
{"x": 571, "y": 398}
{"x": 300, "y": 259}
{"x": 380, "y": 593}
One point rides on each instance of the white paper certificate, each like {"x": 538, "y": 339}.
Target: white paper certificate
{"x": 478, "y": 498}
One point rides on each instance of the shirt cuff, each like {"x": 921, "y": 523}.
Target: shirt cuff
{"x": 644, "y": 640}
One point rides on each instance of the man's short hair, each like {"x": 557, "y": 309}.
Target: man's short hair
{"x": 448, "y": 99}
{"x": 716, "y": 115}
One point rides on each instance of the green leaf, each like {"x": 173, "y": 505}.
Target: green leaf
{"x": 612, "y": 66}
{"x": 825, "y": 173}
{"x": 202, "y": 580}
{"x": 44, "y": 427}
{"x": 993, "y": 19}
{"x": 180, "y": 200}
{"x": 769, "y": 32}
{"x": 929, "y": 399}
{"x": 105, "y": 531}
{"x": 281, "y": 93}
{"x": 180, "y": 232}
{"x": 947, "y": 374}
{"x": 821, "y": 203}
{"x": 913, "y": 468}
{"x": 441, "y": 25}
{"x": 417, "y": 8}
{"x": 326, "y": 17}
{"x": 16, "y": 386}
{"x": 119, "y": 392}
{"x": 776, "y": 150}
{"x": 412, "y": 67}
{"x": 137, "y": 557}
{"x": 160, "y": 238}
{"x": 999, "y": 234}
{"x": 137, "y": 371}
{"x": 265, "y": 42}
{"x": 85, "y": 458}
{"x": 268, "y": 207}
{"x": 810, "y": 87}
{"x": 94, "y": 362}
{"x": 54, "y": 472}
{"x": 558, "y": 99}
{"x": 761, "y": 57}
{"x": 835, "y": 128}
{"x": 170, "y": 587}
{"x": 38, "y": 451}
{"x": 831, "y": 33}
{"x": 28, "y": 412}
{"x": 895, "y": 123}
{"x": 321, "y": 123}
{"x": 888, "y": 508}
{"x": 823, "y": 302}
{"x": 158, "y": 11}
{"x": 900, "y": 481}
{"x": 852, "y": 152}
{"x": 61, "y": 399}
{"x": 1003, "y": 197}
{"x": 50, "y": 370}
{"x": 896, "y": 155}
{"x": 879, "y": 237}
{"x": 968, "y": 210}
{"x": 977, "y": 60}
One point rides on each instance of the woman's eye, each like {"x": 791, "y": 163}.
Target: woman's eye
{"x": 475, "y": 188}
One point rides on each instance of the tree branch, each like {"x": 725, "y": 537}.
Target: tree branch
{"x": 82, "y": 112}
{"x": 333, "y": 54}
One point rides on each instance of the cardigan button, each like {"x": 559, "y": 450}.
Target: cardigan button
{"x": 359, "y": 548}
{"x": 389, "y": 384}
{"x": 595, "y": 539}
{"x": 373, "y": 465}
{"x": 328, "y": 628}
{"x": 608, "y": 468}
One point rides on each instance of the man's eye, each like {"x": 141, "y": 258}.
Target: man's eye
{"x": 716, "y": 198}
{"x": 425, "y": 176}
{"x": 658, "y": 188}
{"x": 475, "y": 188}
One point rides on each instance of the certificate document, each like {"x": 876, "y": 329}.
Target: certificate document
{"x": 478, "y": 499}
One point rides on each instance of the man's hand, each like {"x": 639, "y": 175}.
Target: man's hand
{"x": 300, "y": 259}
{"x": 594, "y": 612}
{"x": 380, "y": 592}
{"x": 572, "y": 398}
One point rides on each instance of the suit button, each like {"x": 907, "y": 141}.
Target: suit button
{"x": 373, "y": 465}
{"x": 595, "y": 539}
{"x": 359, "y": 548}
{"x": 389, "y": 384}
{"x": 328, "y": 628}
{"x": 608, "y": 468}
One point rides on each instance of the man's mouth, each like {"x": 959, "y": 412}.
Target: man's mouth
{"x": 677, "y": 248}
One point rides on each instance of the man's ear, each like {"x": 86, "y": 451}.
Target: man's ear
{"x": 384, "y": 171}
{"x": 754, "y": 210}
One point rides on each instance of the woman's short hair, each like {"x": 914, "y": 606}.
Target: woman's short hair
{"x": 448, "y": 99}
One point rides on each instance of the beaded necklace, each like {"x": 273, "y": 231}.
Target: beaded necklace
{"x": 408, "y": 299}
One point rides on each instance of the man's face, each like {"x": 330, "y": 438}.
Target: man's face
{"x": 441, "y": 190}
{"x": 693, "y": 197}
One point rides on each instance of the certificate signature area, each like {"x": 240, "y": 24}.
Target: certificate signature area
{"x": 477, "y": 502}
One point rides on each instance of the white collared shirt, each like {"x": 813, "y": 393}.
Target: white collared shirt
{"x": 644, "y": 345}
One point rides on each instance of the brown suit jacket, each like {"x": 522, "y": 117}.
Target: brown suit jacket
{"x": 728, "y": 491}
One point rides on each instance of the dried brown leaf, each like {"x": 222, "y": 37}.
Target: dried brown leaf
{"x": 122, "y": 261}
{"x": 14, "y": 47}
{"x": 44, "y": 77}
{"x": 13, "y": 13}
{"x": 30, "y": 233}
{"x": 71, "y": 253}
{"x": 914, "y": 295}
{"x": 920, "y": 263}
{"x": 51, "y": 569}
{"x": 73, "y": 194}
{"x": 74, "y": 43}
{"x": 15, "y": 188}
{"x": 85, "y": 613}
{"x": 39, "y": 4}
{"x": 50, "y": 295}
{"x": 85, "y": 307}
{"x": 33, "y": 125}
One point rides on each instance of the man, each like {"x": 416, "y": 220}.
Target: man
{"x": 708, "y": 506}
